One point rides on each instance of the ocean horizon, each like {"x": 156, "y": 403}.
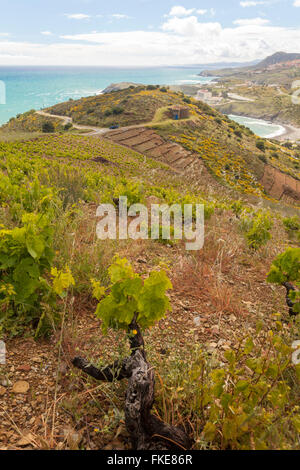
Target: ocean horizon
{"x": 32, "y": 87}
{"x": 40, "y": 87}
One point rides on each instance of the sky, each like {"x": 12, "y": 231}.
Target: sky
{"x": 145, "y": 32}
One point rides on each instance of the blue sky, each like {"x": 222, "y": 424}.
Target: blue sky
{"x": 145, "y": 32}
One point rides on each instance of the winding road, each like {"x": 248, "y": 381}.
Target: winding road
{"x": 94, "y": 130}
{"x": 69, "y": 120}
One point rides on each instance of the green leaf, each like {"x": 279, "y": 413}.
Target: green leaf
{"x": 35, "y": 246}
{"x": 209, "y": 431}
{"x": 286, "y": 267}
{"x": 242, "y": 385}
{"x": 130, "y": 295}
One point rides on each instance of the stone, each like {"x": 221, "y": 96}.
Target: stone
{"x": 73, "y": 438}
{"x": 37, "y": 359}
{"x": 5, "y": 382}
{"x": 21, "y": 387}
{"x": 24, "y": 368}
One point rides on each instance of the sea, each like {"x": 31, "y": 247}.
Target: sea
{"x": 26, "y": 88}
{"x": 259, "y": 126}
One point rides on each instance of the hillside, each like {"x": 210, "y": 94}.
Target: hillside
{"x": 280, "y": 68}
{"x": 134, "y": 105}
{"x": 272, "y": 103}
{"x": 218, "y": 141}
{"x": 220, "y": 355}
{"x": 268, "y": 86}
{"x": 277, "y": 58}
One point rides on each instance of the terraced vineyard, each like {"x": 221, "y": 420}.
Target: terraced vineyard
{"x": 77, "y": 151}
{"x": 191, "y": 153}
{"x": 152, "y": 145}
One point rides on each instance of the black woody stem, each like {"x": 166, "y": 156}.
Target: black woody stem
{"x": 147, "y": 432}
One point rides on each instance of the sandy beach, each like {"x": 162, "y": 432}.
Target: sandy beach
{"x": 291, "y": 133}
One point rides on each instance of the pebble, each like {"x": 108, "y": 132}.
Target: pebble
{"x": 24, "y": 368}
{"x": 21, "y": 387}
{"x": 5, "y": 383}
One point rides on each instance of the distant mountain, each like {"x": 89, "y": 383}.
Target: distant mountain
{"x": 215, "y": 65}
{"x": 277, "y": 58}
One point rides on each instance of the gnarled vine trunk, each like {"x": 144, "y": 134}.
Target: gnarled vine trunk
{"x": 147, "y": 432}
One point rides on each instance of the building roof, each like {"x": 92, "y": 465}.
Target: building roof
{"x": 177, "y": 107}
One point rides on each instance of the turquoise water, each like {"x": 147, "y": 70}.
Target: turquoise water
{"x": 39, "y": 87}
{"x": 259, "y": 127}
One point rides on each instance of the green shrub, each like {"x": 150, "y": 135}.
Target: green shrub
{"x": 70, "y": 183}
{"x": 26, "y": 253}
{"x": 260, "y": 144}
{"x": 286, "y": 268}
{"x": 68, "y": 126}
{"x": 263, "y": 158}
{"x": 48, "y": 127}
{"x": 133, "y": 191}
{"x": 117, "y": 110}
{"x": 292, "y": 223}
{"x": 130, "y": 297}
{"x": 246, "y": 402}
{"x": 257, "y": 229}
{"x": 237, "y": 207}
{"x": 238, "y": 133}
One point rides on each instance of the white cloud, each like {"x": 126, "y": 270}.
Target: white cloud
{"x": 119, "y": 16}
{"x": 181, "y": 11}
{"x": 185, "y": 40}
{"x": 77, "y": 16}
{"x": 190, "y": 26}
{"x": 4, "y": 34}
{"x": 297, "y": 3}
{"x": 46, "y": 33}
{"x": 251, "y": 22}
{"x": 252, "y": 4}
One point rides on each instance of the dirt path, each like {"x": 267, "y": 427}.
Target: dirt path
{"x": 236, "y": 97}
{"x": 69, "y": 120}
{"x": 99, "y": 130}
